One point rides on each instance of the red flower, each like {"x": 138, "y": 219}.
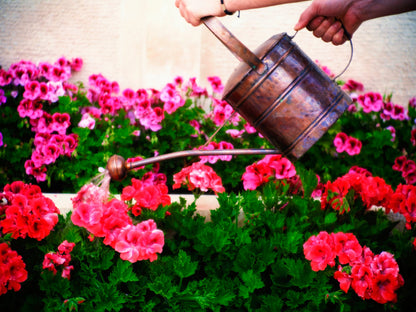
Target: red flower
{"x": 260, "y": 173}
{"x": 28, "y": 212}
{"x": 346, "y": 247}
{"x": 404, "y": 201}
{"x": 59, "y": 259}
{"x": 150, "y": 193}
{"x": 343, "y": 278}
{"x": 12, "y": 269}
{"x": 384, "y": 287}
{"x": 320, "y": 250}
{"x": 372, "y": 190}
{"x": 362, "y": 280}
{"x": 376, "y": 277}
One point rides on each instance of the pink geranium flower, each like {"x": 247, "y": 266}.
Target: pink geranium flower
{"x": 76, "y": 64}
{"x": 353, "y": 86}
{"x": 371, "y": 102}
{"x": 87, "y": 121}
{"x": 216, "y": 84}
{"x": 351, "y": 145}
{"x": 199, "y": 176}
{"x": 171, "y": 98}
{"x": 270, "y": 166}
{"x": 3, "y": 98}
{"x": 32, "y": 90}
{"x": 140, "y": 242}
{"x": 216, "y": 146}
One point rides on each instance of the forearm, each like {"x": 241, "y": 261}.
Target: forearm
{"x": 371, "y": 9}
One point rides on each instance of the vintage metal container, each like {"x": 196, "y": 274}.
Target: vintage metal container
{"x": 281, "y": 92}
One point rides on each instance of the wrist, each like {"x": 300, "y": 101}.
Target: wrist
{"x": 224, "y": 8}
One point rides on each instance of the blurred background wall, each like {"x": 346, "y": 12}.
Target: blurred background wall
{"x": 146, "y": 43}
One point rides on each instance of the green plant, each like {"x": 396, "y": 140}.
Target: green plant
{"x": 248, "y": 256}
{"x": 269, "y": 246}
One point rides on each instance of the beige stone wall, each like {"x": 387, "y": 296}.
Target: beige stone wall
{"x": 145, "y": 43}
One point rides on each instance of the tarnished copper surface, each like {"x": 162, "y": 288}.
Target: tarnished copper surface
{"x": 292, "y": 103}
{"x": 116, "y": 167}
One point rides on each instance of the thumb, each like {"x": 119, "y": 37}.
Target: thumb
{"x": 304, "y": 19}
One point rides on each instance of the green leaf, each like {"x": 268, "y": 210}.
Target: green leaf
{"x": 183, "y": 265}
{"x": 252, "y": 281}
{"x": 330, "y": 218}
{"x": 214, "y": 237}
{"x": 290, "y": 242}
{"x": 309, "y": 180}
{"x": 162, "y": 285}
{"x": 122, "y": 273}
{"x": 300, "y": 272}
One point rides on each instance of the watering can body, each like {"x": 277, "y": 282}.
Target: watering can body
{"x": 292, "y": 102}
{"x": 281, "y": 92}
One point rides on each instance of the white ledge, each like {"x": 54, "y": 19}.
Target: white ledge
{"x": 204, "y": 203}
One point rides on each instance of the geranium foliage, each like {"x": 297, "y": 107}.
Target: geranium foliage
{"x": 334, "y": 231}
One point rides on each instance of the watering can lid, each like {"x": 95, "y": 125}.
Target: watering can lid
{"x": 243, "y": 69}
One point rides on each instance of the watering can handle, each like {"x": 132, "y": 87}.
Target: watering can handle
{"x": 233, "y": 44}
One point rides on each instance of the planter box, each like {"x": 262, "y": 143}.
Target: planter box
{"x": 204, "y": 203}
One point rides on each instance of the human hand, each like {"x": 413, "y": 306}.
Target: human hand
{"x": 329, "y": 19}
{"x": 193, "y": 10}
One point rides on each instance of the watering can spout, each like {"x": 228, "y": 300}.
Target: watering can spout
{"x": 118, "y": 167}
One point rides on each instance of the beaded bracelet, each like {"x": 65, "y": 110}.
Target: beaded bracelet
{"x": 225, "y": 9}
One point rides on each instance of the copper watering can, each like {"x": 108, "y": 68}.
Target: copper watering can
{"x": 278, "y": 89}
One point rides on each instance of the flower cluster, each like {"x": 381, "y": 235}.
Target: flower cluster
{"x": 345, "y": 143}
{"x": 271, "y": 166}
{"x": 215, "y": 146}
{"x": 12, "y": 269}
{"x": 60, "y": 259}
{"x": 110, "y": 219}
{"x": 373, "y": 191}
{"x": 373, "y": 102}
{"x": 43, "y": 84}
{"x": 403, "y": 201}
{"x": 199, "y": 176}
{"x": 370, "y": 276}
{"x": 144, "y": 108}
{"x": 27, "y": 212}
{"x": 221, "y": 112}
{"x": 146, "y": 193}
{"x": 407, "y": 167}
{"x": 48, "y": 147}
